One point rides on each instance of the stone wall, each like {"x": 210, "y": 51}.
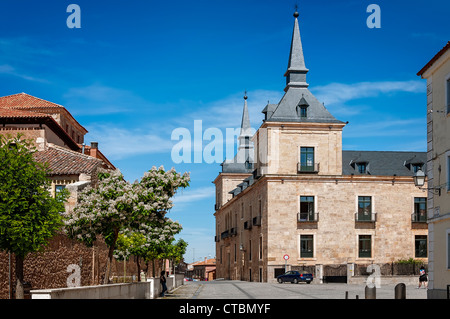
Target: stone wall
{"x": 48, "y": 269}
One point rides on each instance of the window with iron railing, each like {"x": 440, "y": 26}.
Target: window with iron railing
{"x": 307, "y": 210}
{"x": 364, "y": 209}
{"x": 307, "y": 160}
{"x": 420, "y": 210}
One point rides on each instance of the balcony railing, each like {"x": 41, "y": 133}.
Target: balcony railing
{"x": 307, "y": 217}
{"x": 418, "y": 218}
{"x": 365, "y": 217}
{"x": 248, "y": 224}
{"x": 257, "y": 221}
{"x": 225, "y": 234}
{"x": 233, "y": 231}
{"x": 308, "y": 168}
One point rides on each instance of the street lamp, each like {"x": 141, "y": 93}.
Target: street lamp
{"x": 419, "y": 181}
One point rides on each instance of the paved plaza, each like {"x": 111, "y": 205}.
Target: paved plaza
{"x": 232, "y": 289}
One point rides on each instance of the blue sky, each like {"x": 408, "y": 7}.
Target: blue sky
{"x": 137, "y": 70}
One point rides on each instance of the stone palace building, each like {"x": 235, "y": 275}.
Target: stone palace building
{"x": 293, "y": 199}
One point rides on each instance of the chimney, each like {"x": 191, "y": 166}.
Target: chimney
{"x": 94, "y": 148}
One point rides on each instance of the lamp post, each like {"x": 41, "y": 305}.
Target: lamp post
{"x": 419, "y": 181}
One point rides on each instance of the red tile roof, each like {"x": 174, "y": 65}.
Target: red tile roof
{"x": 434, "y": 59}
{"x": 23, "y": 100}
{"x": 34, "y": 104}
{"x": 12, "y": 113}
{"x": 66, "y": 162}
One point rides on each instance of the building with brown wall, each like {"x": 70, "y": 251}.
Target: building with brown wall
{"x": 291, "y": 190}
{"x": 59, "y": 140}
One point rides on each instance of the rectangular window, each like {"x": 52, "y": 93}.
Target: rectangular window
{"x": 421, "y": 246}
{"x": 306, "y": 246}
{"x": 59, "y": 189}
{"x": 307, "y": 159}
{"x": 362, "y": 168}
{"x": 260, "y": 248}
{"x": 235, "y": 252}
{"x": 306, "y": 208}
{"x": 249, "y": 250}
{"x": 364, "y": 208}
{"x": 420, "y": 209}
{"x": 365, "y": 246}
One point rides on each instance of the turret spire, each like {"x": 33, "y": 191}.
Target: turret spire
{"x": 245, "y": 134}
{"x": 296, "y": 71}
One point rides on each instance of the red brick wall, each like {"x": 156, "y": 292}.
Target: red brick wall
{"x": 48, "y": 269}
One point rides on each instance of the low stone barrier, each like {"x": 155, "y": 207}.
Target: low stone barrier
{"x": 149, "y": 289}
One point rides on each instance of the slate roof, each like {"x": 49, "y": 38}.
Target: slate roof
{"x": 286, "y": 110}
{"x": 382, "y": 163}
{"x": 66, "y": 162}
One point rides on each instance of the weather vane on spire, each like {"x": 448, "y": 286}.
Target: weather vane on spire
{"x": 296, "y": 11}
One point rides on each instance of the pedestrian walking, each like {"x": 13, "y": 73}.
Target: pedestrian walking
{"x": 423, "y": 277}
{"x": 162, "y": 280}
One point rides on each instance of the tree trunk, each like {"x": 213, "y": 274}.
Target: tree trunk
{"x": 110, "y": 257}
{"x": 138, "y": 269}
{"x": 153, "y": 268}
{"x": 19, "y": 277}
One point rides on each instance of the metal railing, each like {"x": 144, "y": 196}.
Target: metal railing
{"x": 418, "y": 218}
{"x": 307, "y": 217}
{"x": 308, "y": 168}
{"x": 365, "y": 217}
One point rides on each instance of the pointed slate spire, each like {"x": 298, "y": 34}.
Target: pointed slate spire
{"x": 245, "y": 134}
{"x": 296, "y": 72}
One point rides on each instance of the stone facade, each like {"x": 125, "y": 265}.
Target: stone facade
{"x": 326, "y": 209}
{"x": 437, "y": 74}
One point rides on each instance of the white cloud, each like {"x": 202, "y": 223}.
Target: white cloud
{"x": 193, "y": 195}
{"x": 338, "y": 94}
{"x": 10, "y": 70}
{"x": 99, "y": 99}
{"x": 118, "y": 143}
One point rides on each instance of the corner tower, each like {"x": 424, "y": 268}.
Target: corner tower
{"x": 299, "y": 122}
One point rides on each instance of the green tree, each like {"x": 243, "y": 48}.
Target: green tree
{"x": 117, "y": 205}
{"x": 29, "y": 214}
{"x": 146, "y": 243}
{"x": 175, "y": 252}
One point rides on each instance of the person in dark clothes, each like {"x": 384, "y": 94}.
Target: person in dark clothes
{"x": 423, "y": 278}
{"x": 162, "y": 280}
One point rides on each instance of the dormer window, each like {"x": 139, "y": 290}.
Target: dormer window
{"x": 302, "y": 108}
{"x": 361, "y": 167}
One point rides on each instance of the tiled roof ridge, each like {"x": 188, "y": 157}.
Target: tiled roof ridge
{"x": 63, "y": 149}
{"x": 32, "y": 96}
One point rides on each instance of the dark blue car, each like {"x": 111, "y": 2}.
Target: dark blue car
{"x": 295, "y": 277}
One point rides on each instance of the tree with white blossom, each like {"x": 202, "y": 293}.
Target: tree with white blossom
{"x": 116, "y": 205}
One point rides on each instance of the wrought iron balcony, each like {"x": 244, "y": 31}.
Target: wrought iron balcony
{"x": 368, "y": 217}
{"x": 307, "y": 217}
{"x": 416, "y": 217}
{"x": 248, "y": 224}
{"x": 257, "y": 221}
{"x": 308, "y": 167}
{"x": 225, "y": 234}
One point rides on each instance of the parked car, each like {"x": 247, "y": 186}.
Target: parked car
{"x": 295, "y": 277}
